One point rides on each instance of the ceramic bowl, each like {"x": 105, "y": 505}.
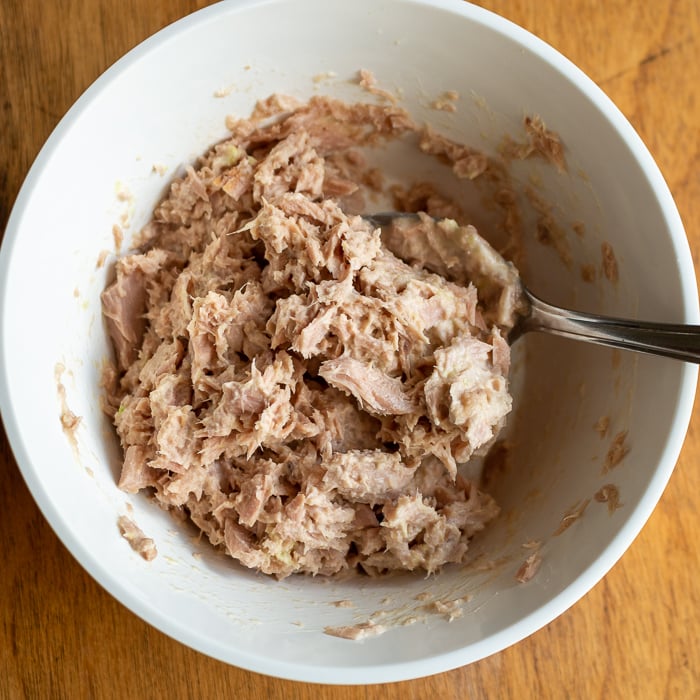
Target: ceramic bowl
{"x": 594, "y": 432}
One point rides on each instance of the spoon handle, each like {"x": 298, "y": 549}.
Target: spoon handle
{"x": 678, "y": 341}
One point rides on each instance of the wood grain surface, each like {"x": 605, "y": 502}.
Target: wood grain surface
{"x": 634, "y": 636}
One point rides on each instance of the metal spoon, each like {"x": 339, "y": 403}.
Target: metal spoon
{"x": 678, "y": 341}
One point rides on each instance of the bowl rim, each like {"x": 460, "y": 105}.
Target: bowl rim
{"x": 363, "y": 674}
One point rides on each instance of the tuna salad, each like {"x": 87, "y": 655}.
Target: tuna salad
{"x": 299, "y": 384}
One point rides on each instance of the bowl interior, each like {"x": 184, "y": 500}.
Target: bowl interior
{"x": 157, "y": 110}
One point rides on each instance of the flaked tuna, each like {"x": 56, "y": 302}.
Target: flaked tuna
{"x": 299, "y": 384}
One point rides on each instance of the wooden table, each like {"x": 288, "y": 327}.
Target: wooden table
{"x": 634, "y": 636}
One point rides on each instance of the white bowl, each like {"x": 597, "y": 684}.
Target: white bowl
{"x": 157, "y": 106}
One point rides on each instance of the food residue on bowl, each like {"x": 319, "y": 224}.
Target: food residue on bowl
{"x": 610, "y": 494}
{"x": 619, "y": 448}
{"x": 324, "y": 76}
{"x": 118, "y": 236}
{"x": 446, "y": 102}
{"x": 357, "y": 632}
{"x": 125, "y": 199}
{"x": 540, "y": 142}
{"x": 610, "y": 269}
{"x": 449, "y": 609}
{"x": 572, "y": 515}
{"x": 602, "y": 426}
{"x": 588, "y": 272}
{"x": 101, "y": 259}
{"x": 579, "y": 228}
{"x": 368, "y": 81}
{"x": 224, "y": 91}
{"x": 529, "y": 568}
{"x": 69, "y": 420}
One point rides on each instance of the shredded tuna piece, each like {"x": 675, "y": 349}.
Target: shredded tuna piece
{"x": 136, "y": 474}
{"x": 299, "y": 386}
{"x": 547, "y": 230}
{"x": 124, "y": 303}
{"x": 133, "y": 534}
